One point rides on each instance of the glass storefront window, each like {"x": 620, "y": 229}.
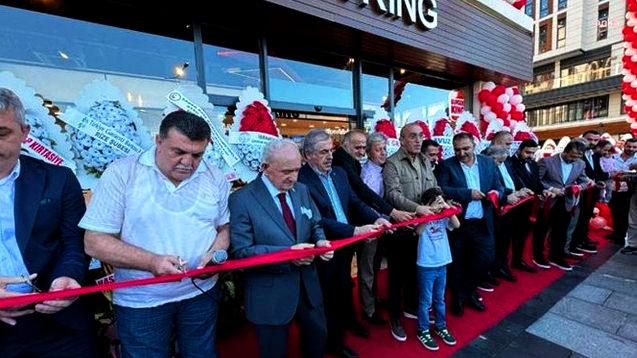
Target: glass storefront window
{"x": 306, "y": 83}
{"x": 59, "y": 56}
{"x": 229, "y": 71}
{"x": 375, "y": 89}
{"x": 414, "y": 100}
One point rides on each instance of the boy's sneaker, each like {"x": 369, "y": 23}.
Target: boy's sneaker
{"x": 425, "y": 338}
{"x": 446, "y": 336}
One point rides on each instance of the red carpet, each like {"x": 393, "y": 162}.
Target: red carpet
{"x": 504, "y": 300}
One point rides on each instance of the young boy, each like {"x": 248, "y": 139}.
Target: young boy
{"x": 433, "y": 256}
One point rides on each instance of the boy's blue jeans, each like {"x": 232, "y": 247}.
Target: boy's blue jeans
{"x": 431, "y": 286}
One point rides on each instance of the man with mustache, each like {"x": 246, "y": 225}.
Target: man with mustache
{"x": 159, "y": 213}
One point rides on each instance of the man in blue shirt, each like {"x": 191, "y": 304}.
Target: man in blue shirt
{"x": 467, "y": 178}
{"x": 41, "y": 205}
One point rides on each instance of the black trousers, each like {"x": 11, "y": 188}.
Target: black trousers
{"x": 473, "y": 253}
{"x": 521, "y": 226}
{"x": 401, "y": 265}
{"x": 503, "y": 238}
{"x": 589, "y": 199}
{"x": 620, "y": 206}
{"x": 38, "y": 335}
{"x": 559, "y": 222}
{"x": 336, "y": 285}
{"x": 273, "y": 340}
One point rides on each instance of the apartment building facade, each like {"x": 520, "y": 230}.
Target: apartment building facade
{"x": 576, "y": 67}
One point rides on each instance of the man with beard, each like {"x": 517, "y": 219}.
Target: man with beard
{"x": 467, "y": 178}
{"x": 580, "y": 241}
{"x": 560, "y": 173}
{"x": 527, "y": 172}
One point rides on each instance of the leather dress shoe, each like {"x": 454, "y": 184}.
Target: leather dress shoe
{"x": 347, "y": 352}
{"x": 505, "y": 274}
{"x": 457, "y": 307}
{"x": 523, "y": 266}
{"x": 358, "y": 329}
{"x": 476, "y": 303}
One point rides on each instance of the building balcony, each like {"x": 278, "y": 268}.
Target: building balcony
{"x": 571, "y": 80}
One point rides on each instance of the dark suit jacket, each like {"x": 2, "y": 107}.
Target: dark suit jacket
{"x": 595, "y": 172}
{"x": 353, "y": 169}
{"x": 257, "y": 227}
{"x": 48, "y": 207}
{"x": 357, "y": 212}
{"x": 453, "y": 183}
{"x": 524, "y": 178}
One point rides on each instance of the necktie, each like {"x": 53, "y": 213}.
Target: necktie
{"x": 287, "y": 214}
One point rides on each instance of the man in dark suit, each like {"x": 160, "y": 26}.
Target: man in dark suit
{"x": 467, "y": 178}
{"x": 343, "y": 215}
{"x": 348, "y": 157}
{"x": 527, "y": 173}
{"x": 581, "y": 241}
{"x": 41, "y": 207}
{"x": 558, "y": 172}
{"x": 270, "y": 214}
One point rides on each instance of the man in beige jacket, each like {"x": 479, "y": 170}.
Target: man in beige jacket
{"x": 407, "y": 174}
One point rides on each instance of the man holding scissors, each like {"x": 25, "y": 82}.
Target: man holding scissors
{"x": 149, "y": 212}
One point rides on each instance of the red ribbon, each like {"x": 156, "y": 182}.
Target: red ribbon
{"x": 505, "y": 209}
{"x": 265, "y": 259}
{"x": 494, "y": 197}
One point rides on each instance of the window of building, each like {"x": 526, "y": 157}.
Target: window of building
{"x": 528, "y": 8}
{"x": 307, "y": 83}
{"x": 602, "y": 23}
{"x": 375, "y": 90}
{"x": 585, "y": 109}
{"x": 561, "y": 32}
{"x": 622, "y": 106}
{"x": 416, "y": 99}
{"x": 59, "y": 57}
{"x": 546, "y": 7}
{"x": 229, "y": 71}
{"x": 544, "y": 38}
{"x": 585, "y": 72}
{"x": 562, "y": 4}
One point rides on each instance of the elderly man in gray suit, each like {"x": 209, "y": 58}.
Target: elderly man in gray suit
{"x": 558, "y": 174}
{"x": 270, "y": 214}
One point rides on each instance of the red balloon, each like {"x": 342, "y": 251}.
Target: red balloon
{"x": 516, "y": 90}
{"x": 497, "y": 108}
{"x": 517, "y": 116}
{"x": 493, "y": 99}
{"x": 498, "y": 90}
{"x": 483, "y": 95}
{"x": 632, "y": 6}
{"x": 598, "y": 222}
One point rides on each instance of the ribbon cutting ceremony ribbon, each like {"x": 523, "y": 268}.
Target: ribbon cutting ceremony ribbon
{"x": 505, "y": 209}
{"x": 258, "y": 260}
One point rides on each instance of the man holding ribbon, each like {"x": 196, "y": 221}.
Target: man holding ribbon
{"x": 41, "y": 248}
{"x": 471, "y": 180}
{"x": 160, "y": 213}
{"x": 564, "y": 175}
{"x": 270, "y": 214}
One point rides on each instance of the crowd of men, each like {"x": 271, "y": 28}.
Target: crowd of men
{"x": 166, "y": 210}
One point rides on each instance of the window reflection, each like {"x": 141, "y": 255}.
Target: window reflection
{"x": 414, "y": 100}
{"x": 229, "y": 71}
{"x": 572, "y": 75}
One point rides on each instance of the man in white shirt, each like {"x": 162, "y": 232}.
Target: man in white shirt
{"x": 155, "y": 214}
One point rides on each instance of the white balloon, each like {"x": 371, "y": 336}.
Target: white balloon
{"x": 506, "y": 107}
{"x": 488, "y": 86}
{"x": 633, "y": 84}
{"x": 509, "y": 92}
{"x": 630, "y": 52}
{"x": 634, "y": 108}
{"x": 484, "y": 110}
{"x": 629, "y": 78}
{"x": 633, "y": 125}
{"x": 630, "y": 120}
{"x": 520, "y": 107}
{"x": 503, "y": 98}
{"x": 515, "y": 99}
{"x": 633, "y": 57}
{"x": 635, "y": 29}
{"x": 625, "y": 97}
{"x": 630, "y": 15}
{"x": 490, "y": 117}
{"x": 630, "y": 102}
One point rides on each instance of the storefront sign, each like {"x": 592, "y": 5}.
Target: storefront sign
{"x": 456, "y": 104}
{"x": 421, "y": 12}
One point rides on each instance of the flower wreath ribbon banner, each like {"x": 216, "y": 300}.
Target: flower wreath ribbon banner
{"x": 219, "y": 139}
{"x": 100, "y": 131}
{"x": 258, "y": 260}
{"x": 39, "y": 150}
